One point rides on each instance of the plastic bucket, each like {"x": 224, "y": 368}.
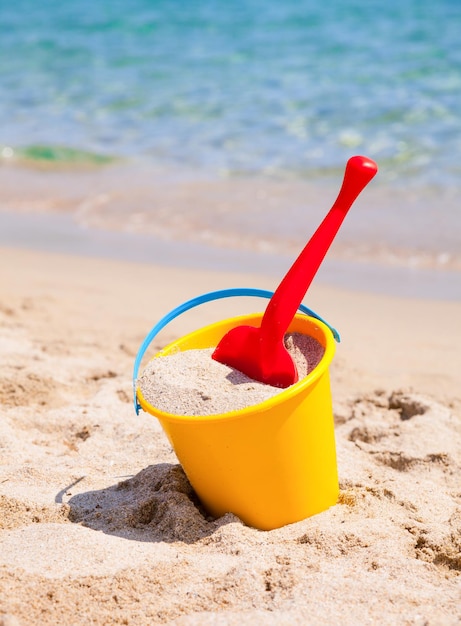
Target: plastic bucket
{"x": 270, "y": 464}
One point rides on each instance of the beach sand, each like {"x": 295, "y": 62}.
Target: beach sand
{"x": 98, "y": 524}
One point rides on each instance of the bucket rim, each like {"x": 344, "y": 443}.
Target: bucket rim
{"x": 283, "y": 396}
{"x": 208, "y": 297}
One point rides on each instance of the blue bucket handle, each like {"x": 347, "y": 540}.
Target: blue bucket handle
{"x": 208, "y": 297}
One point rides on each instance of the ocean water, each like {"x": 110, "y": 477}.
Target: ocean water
{"x": 242, "y": 86}
{"x": 272, "y": 96}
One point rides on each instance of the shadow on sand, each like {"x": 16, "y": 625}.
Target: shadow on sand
{"x": 158, "y": 504}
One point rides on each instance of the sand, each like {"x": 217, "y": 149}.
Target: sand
{"x": 99, "y": 525}
{"x": 193, "y": 383}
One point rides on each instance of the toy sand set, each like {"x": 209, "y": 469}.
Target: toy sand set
{"x": 270, "y": 459}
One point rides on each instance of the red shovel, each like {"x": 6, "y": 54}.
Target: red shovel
{"x": 260, "y": 352}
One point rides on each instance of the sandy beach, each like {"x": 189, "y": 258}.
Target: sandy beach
{"x": 99, "y": 524}
{"x": 154, "y": 151}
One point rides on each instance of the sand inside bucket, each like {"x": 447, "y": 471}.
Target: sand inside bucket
{"x": 192, "y": 383}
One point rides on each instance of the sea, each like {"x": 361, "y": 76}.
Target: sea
{"x": 220, "y": 130}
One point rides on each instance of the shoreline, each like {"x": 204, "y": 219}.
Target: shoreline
{"x": 58, "y": 233}
{"x": 388, "y": 227}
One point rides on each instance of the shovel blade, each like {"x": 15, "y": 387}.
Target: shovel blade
{"x": 241, "y": 348}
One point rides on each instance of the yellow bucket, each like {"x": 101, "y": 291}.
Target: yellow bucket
{"x": 270, "y": 464}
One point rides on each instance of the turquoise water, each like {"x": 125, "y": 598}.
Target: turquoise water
{"x": 287, "y": 89}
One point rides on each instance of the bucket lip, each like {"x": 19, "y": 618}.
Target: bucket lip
{"x": 261, "y": 407}
{"x": 208, "y": 297}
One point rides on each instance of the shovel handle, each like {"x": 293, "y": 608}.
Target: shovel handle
{"x": 291, "y": 291}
